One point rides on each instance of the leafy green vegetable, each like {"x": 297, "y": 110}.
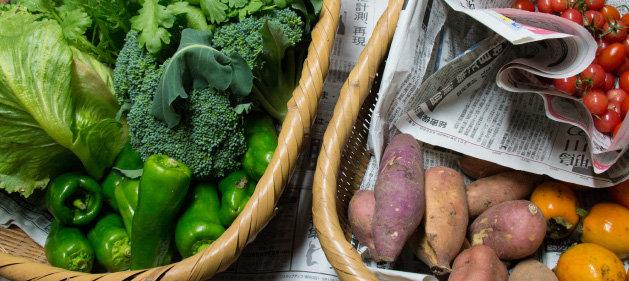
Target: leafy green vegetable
{"x": 55, "y": 107}
{"x": 197, "y": 64}
{"x": 153, "y": 20}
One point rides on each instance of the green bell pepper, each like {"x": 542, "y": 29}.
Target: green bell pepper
{"x": 163, "y": 187}
{"x": 236, "y": 189}
{"x": 199, "y": 225}
{"x": 111, "y": 242}
{"x": 261, "y": 138}
{"x": 126, "y": 195}
{"x": 74, "y": 199}
{"x": 127, "y": 159}
{"x": 67, "y": 247}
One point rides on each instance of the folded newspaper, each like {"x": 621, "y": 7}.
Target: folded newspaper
{"x": 487, "y": 91}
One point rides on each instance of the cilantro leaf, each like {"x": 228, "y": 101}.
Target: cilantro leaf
{"x": 152, "y": 21}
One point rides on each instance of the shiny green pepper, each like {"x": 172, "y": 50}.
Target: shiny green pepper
{"x": 67, "y": 247}
{"x": 162, "y": 192}
{"x": 199, "y": 224}
{"x": 111, "y": 242}
{"x": 74, "y": 199}
{"x": 127, "y": 159}
{"x": 261, "y": 137}
{"x": 236, "y": 190}
{"x": 126, "y": 195}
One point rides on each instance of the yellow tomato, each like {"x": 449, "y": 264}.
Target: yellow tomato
{"x": 589, "y": 262}
{"x": 607, "y": 225}
{"x": 559, "y": 205}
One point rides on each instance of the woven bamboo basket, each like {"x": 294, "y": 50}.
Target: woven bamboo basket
{"x": 343, "y": 159}
{"x": 23, "y": 259}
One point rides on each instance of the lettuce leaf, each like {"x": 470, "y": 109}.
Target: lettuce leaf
{"x": 56, "y": 111}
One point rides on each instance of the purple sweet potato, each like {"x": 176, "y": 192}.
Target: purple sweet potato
{"x": 492, "y": 190}
{"x": 399, "y": 192}
{"x": 360, "y": 213}
{"x": 440, "y": 237}
{"x": 477, "y": 168}
{"x": 514, "y": 229}
{"x": 478, "y": 263}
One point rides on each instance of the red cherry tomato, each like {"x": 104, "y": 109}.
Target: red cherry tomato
{"x": 624, "y": 107}
{"x": 612, "y": 56}
{"x": 594, "y": 4}
{"x": 626, "y": 44}
{"x": 616, "y": 94}
{"x": 623, "y": 81}
{"x": 594, "y": 18}
{"x": 573, "y": 15}
{"x": 525, "y": 5}
{"x": 625, "y": 18}
{"x": 595, "y": 101}
{"x": 561, "y": 5}
{"x": 609, "y": 12}
{"x": 568, "y": 85}
{"x": 624, "y": 66}
{"x": 610, "y": 81}
{"x": 614, "y": 31}
{"x": 607, "y": 121}
{"x": 616, "y": 129}
{"x": 602, "y": 44}
{"x": 545, "y": 6}
{"x": 595, "y": 74}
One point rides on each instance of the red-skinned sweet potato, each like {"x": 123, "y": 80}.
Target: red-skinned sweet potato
{"x": 478, "y": 263}
{"x": 360, "y": 214}
{"x": 477, "y": 168}
{"x": 439, "y": 238}
{"x": 399, "y": 191}
{"x": 514, "y": 229}
{"x": 489, "y": 191}
{"x": 532, "y": 270}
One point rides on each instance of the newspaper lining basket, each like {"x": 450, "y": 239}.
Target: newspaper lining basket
{"x": 343, "y": 159}
{"x": 23, "y": 259}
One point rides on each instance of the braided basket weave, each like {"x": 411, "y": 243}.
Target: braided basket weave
{"x": 22, "y": 259}
{"x": 344, "y": 158}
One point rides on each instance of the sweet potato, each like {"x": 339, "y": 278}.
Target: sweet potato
{"x": 514, "y": 229}
{"x": 489, "y": 191}
{"x": 360, "y": 214}
{"x": 477, "y": 168}
{"x": 532, "y": 270}
{"x": 478, "y": 263}
{"x": 399, "y": 191}
{"x": 439, "y": 238}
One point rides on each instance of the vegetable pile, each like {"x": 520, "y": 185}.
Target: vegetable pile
{"x": 134, "y": 116}
{"x": 603, "y": 86}
{"x": 492, "y": 227}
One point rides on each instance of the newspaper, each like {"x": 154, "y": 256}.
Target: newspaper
{"x": 287, "y": 248}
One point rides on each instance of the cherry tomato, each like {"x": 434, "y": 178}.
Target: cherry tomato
{"x": 595, "y": 101}
{"x": 624, "y": 107}
{"x": 609, "y": 12}
{"x": 602, "y": 44}
{"x": 611, "y": 57}
{"x": 610, "y": 81}
{"x": 568, "y": 85}
{"x": 623, "y": 81}
{"x": 545, "y": 6}
{"x": 614, "y": 31}
{"x": 625, "y": 18}
{"x": 615, "y": 106}
{"x": 561, "y": 5}
{"x": 594, "y": 19}
{"x": 594, "y": 4}
{"x": 624, "y": 66}
{"x": 606, "y": 122}
{"x": 595, "y": 74}
{"x": 525, "y": 5}
{"x": 615, "y": 132}
{"x": 626, "y": 44}
{"x": 573, "y": 15}
{"x": 616, "y": 94}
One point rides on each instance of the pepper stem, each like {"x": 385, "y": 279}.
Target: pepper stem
{"x": 78, "y": 203}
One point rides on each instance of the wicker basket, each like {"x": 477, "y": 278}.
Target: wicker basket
{"x": 22, "y": 259}
{"x": 343, "y": 160}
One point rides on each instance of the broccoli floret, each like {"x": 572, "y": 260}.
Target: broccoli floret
{"x": 209, "y": 138}
{"x": 271, "y": 43}
{"x": 133, "y": 65}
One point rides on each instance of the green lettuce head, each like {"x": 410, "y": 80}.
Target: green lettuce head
{"x": 57, "y": 108}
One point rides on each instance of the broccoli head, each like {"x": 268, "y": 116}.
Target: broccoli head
{"x": 209, "y": 138}
{"x": 272, "y": 44}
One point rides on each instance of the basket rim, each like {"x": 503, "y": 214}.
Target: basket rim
{"x": 344, "y": 258}
{"x": 261, "y": 207}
